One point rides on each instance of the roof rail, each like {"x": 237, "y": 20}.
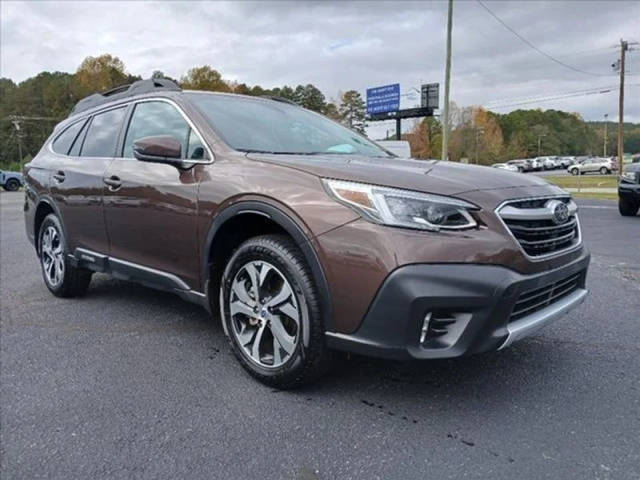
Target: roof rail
{"x": 280, "y": 99}
{"x": 124, "y": 91}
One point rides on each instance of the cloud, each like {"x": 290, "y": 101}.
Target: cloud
{"x": 341, "y": 45}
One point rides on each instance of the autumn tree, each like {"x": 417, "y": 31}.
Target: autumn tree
{"x": 352, "y": 111}
{"x": 425, "y": 138}
{"x": 331, "y": 111}
{"x": 97, "y": 74}
{"x": 487, "y": 141}
{"x": 204, "y": 78}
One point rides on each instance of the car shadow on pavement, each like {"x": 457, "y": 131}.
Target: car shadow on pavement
{"x": 528, "y": 370}
{"x": 494, "y": 376}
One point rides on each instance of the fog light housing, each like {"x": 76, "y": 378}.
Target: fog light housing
{"x": 425, "y": 327}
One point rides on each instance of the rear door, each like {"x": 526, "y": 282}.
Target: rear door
{"x": 151, "y": 208}
{"x": 83, "y": 153}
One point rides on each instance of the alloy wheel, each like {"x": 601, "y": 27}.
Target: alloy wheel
{"x": 52, "y": 256}
{"x": 265, "y": 315}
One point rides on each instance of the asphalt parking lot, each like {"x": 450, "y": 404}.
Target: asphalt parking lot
{"x": 128, "y": 382}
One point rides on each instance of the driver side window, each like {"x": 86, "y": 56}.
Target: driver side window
{"x": 150, "y": 119}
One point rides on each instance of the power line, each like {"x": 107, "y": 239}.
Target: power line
{"x": 559, "y": 96}
{"x": 546, "y": 95}
{"x": 541, "y": 52}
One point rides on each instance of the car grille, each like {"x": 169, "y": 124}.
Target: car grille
{"x": 534, "y": 300}
{"x": 534, "y": 225}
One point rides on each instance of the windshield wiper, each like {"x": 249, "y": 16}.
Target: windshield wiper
{"x": 249, "y": 150}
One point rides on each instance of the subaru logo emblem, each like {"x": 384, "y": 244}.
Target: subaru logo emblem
{"x": 559, "y": 211}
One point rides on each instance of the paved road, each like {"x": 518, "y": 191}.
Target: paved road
{"x": 131, "y": 383}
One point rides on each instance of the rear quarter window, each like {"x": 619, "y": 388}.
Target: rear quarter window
{"x": 102, "y": 136}
{"x": 62, "y": 143}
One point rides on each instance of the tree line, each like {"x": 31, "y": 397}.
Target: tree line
{"x": 484, "y": 137}
{"x": 30, "y": 109}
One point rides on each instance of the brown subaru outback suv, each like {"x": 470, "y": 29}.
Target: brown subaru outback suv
{"x": 305, "y": 236}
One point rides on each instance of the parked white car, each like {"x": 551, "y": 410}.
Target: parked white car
{"x": 505, "y": 166}
{"x": 566, "y": 162}
{"x": 536, "y": 164}
{"x": 602, "y": 166}
{"x": 548, "y": 163}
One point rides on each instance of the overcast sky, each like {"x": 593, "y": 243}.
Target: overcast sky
{"x": 341, "y": 46}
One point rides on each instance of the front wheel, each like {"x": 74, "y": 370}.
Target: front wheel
{"x": 627, "y": 208}
{"x": 270, "y": 307}
{"x": 604, "y": 170}
{"x": 573, "y": 171}
{"x": 60, "y": 277}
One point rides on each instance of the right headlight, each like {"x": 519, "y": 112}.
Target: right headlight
{"x": 403, "y": 208}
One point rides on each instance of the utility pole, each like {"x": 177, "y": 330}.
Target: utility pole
{"x": 16, "y": 124}
{"x": 17, "y": 120}
{"x": 447, "y": 81}
{"x": 604, "y": 148}
{"x": 623, "y": 48}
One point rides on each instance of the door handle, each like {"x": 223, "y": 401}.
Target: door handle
{"x": 113, "y": 182}
{"x": 59, "y": 176}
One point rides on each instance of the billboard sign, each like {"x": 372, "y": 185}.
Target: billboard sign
{"x": 430, "y": 95}
{"x": 383, "y": 99}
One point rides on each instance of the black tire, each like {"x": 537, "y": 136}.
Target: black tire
{"x": 627, "y": 208}
{"x": 573, "y": 171}
{"x": 604, "y": 171}
{"x": 74, "y": 281}
{"x": 520, "y": 169}
{"x": 12, "y": 185}
{"x": 309, "y": 358}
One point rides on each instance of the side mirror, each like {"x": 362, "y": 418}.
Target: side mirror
{"x": 160, "y": 149}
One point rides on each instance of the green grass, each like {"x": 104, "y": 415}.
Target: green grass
{"x": 585, "y": 181}
{"x": 596, "y": 196}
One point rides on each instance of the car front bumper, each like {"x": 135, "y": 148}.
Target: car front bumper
{"x": 427, "y": 311}
{"x": 629, "y": 191}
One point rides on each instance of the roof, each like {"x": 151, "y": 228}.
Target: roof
{"x": 125, "y": 91}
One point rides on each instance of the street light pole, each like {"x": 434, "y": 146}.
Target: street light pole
{"x": 539, "y": 139}
{"x": 478, "y": 132}
{"x": 447, "y": 81}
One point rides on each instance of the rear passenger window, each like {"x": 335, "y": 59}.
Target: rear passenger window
{"x": 103, "y": 134}
{"x": 63, "y": 143}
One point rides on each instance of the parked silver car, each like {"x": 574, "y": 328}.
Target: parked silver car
{"x": 593, "y": 165}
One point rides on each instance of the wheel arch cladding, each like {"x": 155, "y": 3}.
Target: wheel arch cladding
{"x": 247, "y": 219}
{"x": 44, "y": 208}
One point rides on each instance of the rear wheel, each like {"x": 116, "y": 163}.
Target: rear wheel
{"x": 12, "y": 185}
{"x": 60, "y": 277}
{"x": 271, "y": 310}
{"x": 627, "y": 208}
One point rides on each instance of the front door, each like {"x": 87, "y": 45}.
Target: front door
{"x": 77, "y": 179}
{"x": 151, "y": 208}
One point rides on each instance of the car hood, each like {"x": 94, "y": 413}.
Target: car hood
{"x": 429, "y": 176}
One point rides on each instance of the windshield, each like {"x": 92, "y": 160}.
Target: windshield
{"x": 259, "y": 125}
